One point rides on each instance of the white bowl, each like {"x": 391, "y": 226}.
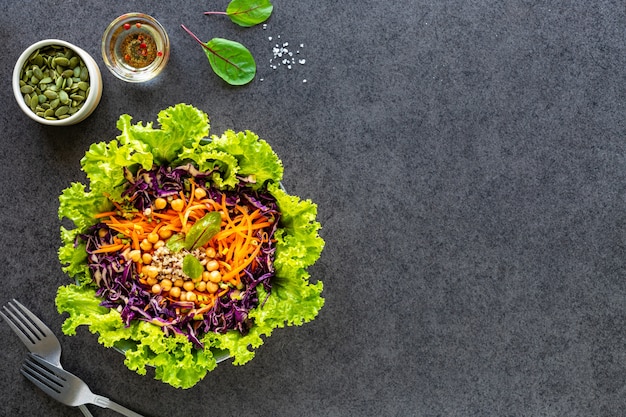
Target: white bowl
{"x": 95, "y": 84}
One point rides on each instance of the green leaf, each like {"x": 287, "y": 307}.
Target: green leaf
{"x": 192, "y": 266}
{"x": 248, "y": 13}
{"x": 203, "y": 230}
{"x": 176, "y": 243}
{"x": 231, "y": 61}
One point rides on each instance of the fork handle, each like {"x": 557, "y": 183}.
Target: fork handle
{"x": 104, "y": 402}
{"x": 85, "y": 411}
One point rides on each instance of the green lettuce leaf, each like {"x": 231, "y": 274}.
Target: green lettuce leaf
{"x": 255, "y": 156}
{"x": 232, "y": 157}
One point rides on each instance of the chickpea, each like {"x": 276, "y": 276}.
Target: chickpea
{"x": 189, "y": 286}
{"x": 215, "y": 276}
{"x": 156, "y": 289}
{"x": 177, "y": 204}
{"x": 146, "y": 258}
{"x": 150, "y": 271}
{"x": 191, "y": 296}
{"x": 160, "y": 203}
{"x": 165, "y": 233}
{"x": 212, "y": 265}
{"x": 179, "y": 283}
{"x": 134, "y": 255}
{"x": 212, "y": 287}
{"x": 210, "y": 252}
{"x": 102, "y": 232}
{"x": 166, "y": 284}
{"x": 158, "y": 245}
{"x": 151, "y": 281}
{"x": 205, "y": 276}
{"x": 201, "y": 286}
{"x": 145, "y": 245}
{"x": 199, "y": 193}
{"x": 175, "y": 292}
{"x": 153, "y": 237}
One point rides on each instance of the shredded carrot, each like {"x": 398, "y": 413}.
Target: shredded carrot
{"x": 105, "y": 214}
{"x": 135, "y": 237}
{"x": 237, "y": 244}
{"x": 109, "y": 248}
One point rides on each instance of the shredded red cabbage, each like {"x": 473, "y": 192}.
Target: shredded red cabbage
{"x": 117, "y": 280}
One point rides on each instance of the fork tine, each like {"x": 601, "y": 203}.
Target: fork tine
{"x": 45, "y": 368}
{"x": 41, "y": 376}
{"x": 18, "y": 325}
{"x": 40, "y": 325}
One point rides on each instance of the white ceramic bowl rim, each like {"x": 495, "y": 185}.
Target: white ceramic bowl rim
{"x": 95, "y": 82}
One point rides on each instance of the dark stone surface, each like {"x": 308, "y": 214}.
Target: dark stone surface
{"x": 467, "y": 158}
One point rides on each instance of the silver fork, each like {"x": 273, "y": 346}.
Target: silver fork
{"x": 37, "y": 337}
{"x": 65, "y": 387}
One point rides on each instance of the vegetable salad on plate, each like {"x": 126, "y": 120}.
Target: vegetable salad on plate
{"x": 185, "y": 249}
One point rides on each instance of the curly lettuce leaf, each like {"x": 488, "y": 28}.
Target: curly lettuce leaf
{"x": 181, "y": 126}
{"x": 206, "y": 159}
{"x": 298, "y": 242}
{"x": 80, "y": 206}
{"x": 255, "y": 156}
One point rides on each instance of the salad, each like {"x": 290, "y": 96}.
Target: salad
{"x": 185, "y": 248}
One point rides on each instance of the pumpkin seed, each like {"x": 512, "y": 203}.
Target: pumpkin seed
{"x": 55, "y": 103}
{"x": 50, "y": 94}
{"x": 61, "y": 111}
{"x": 63, "y": 97}
{"x": 83, "y": 86}
{"x": 37, "y": 72}
{"x": 34, "y": 101}
{"x": 27, "y": 89}
{"x": 62, "y": 61}
{"x": 84, "y": 74}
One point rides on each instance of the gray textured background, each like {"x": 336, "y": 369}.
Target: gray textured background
{"x": 467, "y": 158}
